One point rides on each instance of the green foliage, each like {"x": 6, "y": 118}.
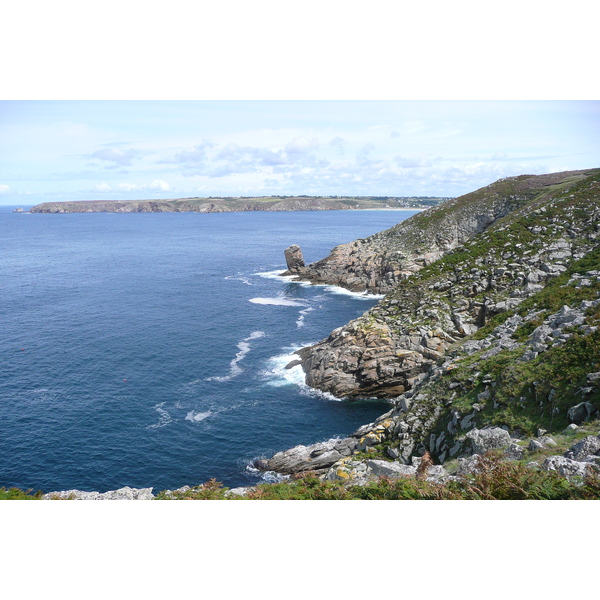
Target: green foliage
{"x": 18, "y": 494}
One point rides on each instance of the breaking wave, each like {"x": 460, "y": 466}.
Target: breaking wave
{"x": 164, "y": 417}
{"x": 277, "y": 375}
{"x": 234, "y": 367}
{"x": 276, "y": 301}
{"x": 197, "y": 416}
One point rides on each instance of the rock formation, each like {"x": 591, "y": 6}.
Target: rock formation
{"x": 477, "y": 349}
{"x": 294, "y": 260}
{"x": 525, "y": 245}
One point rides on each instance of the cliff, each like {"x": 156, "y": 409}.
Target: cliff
{"x": 495, "y": 248}
{"x": 493, "y": 344}
{"x": 213, "y": 205}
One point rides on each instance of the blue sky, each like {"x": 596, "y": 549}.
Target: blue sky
{"x": 87, "y": 150}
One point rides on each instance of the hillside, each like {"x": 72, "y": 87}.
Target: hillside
{"x": 215, "y": 205}
{"x": 493, "y": 345}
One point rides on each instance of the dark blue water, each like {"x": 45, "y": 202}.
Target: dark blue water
{"x": 148, "y": 349}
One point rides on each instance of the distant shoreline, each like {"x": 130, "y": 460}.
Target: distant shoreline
{"x": 218, "y": 205}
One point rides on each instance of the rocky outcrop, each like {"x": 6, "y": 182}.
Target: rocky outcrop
{"x": 125, "y": 493}
{"x": 294, "y": 260}
{"x": 385, "y": 351}
{"x": 378, "y": 263}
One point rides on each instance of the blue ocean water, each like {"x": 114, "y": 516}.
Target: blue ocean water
{"x": 149, "y": 349}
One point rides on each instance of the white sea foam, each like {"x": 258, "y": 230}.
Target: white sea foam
{"x": 276, "y": 301}
{"x": 266, "y": 476}
{"x": 275, "y": 275}
{"x": 244, "y": 348}
{"x": 164, "y": 417}
{"x": 333, "y": 289}
{"x": 239, "y": 278}
{"x": 196, "y": 416}
{"x": 303, "y": 313}
{"x": 276, "y": 375}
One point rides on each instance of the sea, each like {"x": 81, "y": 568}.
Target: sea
{"x": 149, "y": 350}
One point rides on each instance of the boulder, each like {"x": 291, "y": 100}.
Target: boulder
{"x": 307, "y": 458}
{"x": 566, "y": 467}
{"x": 589, "y": 445}
{"x": 581, "y": 412}
{"x": 384, "y": 468}
{"x": 483, "y": 440}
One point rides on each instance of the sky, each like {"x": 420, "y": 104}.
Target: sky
{"x": 65, "y": 150}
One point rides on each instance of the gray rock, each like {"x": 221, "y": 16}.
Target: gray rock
{"x": 535, "y": 445}
{"x": 382, "y": 468}
{"x": 307, "y": 458}
{"x": 469, "y": 465}
{"x": 125, "y": 493}
{"x": 483, "y": 440}
{"x": 514, "y": 451}
{"x": 294, "y": 259}
{"x": 581, "y": 412}
{"x": 566, "y": 467}
{"x": 589, "y": 445}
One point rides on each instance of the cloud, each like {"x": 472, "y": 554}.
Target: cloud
{"x": 157, "y": 185}
{"x": 194, "y": 157}
{"x": 117, "y": 156}
{"x": 4, "y": 189}
{"x": 411, "y": 162}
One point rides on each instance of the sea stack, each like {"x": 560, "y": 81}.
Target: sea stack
{"x": 294, "y": 259}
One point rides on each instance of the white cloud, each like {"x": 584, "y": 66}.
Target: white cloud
{"x": 116, "y": 155}
{"x": 158, "y": 185}
{"x": 102, "y": 187}
{"x": 4, "y": 189}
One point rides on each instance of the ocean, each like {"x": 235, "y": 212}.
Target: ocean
{"x": 149, "y": 349}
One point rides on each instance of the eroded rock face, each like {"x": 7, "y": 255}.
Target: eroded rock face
{"x": 307, "y": 458}
{"x": 294, "y": 259}
{"x": 383, "y": 352}
{"x": 364, "y": 359}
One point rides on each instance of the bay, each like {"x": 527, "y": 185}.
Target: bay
{"x": 149, "y": 349}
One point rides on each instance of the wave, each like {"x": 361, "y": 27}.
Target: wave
{"x": 303, "y": 313}
{"x": 244, "y": 348}
{"x": 276, "y": 301}
{"x": 197, "y": 416}
{"x": 334, "y": 289}
{"x": 277, "y": 375}
{"x": 239, "y": 278}
{"x": 275, "y": 275}
{"x": 164, "y": 417}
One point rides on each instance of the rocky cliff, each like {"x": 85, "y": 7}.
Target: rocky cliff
{"x": 491, "y": 345}
{"x": 214, "y": 205}
{"x": 502, "y": 255}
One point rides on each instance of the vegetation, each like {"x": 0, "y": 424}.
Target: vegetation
{"x": 496, "y": 479}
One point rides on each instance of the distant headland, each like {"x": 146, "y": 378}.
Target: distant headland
{"x": 242, "y": 204}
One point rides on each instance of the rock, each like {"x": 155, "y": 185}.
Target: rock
{"x": 581, "y": 412}
{"x": 469, "y": 465}
{"x": 567, "y": 467}
{"x": 514, "y": 451}
{"x": 294, "y": 259}
{"x": 383, "y": 468}
{"x": 535, "y": 445}
{"x": 125, "y": 493}
{"x": 307, "y": 458}
{"x": 589, "y": 445}
{"x": 483, "y": 440}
